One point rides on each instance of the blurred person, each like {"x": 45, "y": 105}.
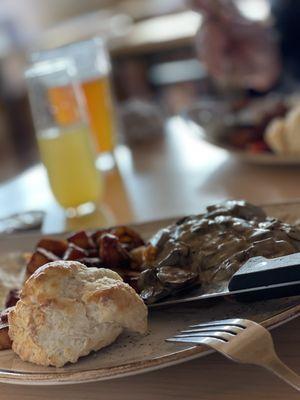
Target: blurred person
{"x": 238, "y": 53}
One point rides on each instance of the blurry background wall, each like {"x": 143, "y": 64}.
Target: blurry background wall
{"x": 27, "y": 25}
{"x": 152, "y": 45}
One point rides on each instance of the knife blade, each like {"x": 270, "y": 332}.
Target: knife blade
{"x": 259, "y": 278}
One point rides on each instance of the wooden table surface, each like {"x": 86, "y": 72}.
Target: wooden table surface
{"x": 175, "y": 176}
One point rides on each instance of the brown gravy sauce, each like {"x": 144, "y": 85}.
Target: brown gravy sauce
{"x": 211, "y": 247}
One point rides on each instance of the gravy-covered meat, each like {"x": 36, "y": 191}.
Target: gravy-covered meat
{"x": 211, "y": 247}
{"x": 198, "y": 249}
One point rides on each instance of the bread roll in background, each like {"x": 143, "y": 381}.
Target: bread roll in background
{"x": 283, "y": 134}
{"x": 67, "y": 310}
{"x": 292, "y": 131}
{"x": 275, "y": 136}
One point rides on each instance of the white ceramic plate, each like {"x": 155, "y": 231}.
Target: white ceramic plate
{"x": 133, "y": 354}
{"x": 254, "y": 158}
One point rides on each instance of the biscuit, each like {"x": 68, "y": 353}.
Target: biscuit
{"x": 67, "y": 310}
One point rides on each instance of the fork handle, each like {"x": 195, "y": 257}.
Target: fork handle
{"x": 276, "y": 366}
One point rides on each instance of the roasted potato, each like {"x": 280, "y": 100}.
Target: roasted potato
{"x": 137, "y": 256}
{"x": 74, "y": 252}
{"x": 39, "y": 258}
{"x": 94, "y": 262}
{"x": 12, "y": 298}
{"x": 128, "y": 237}
{"x": 97, "y": 235}
{"x": 112, "y": 253}
{"x": 82, "y": 239}
{"x": 5, "y": 342}
{"x": 120, "y": 248}
{"x": 55, "y": 246}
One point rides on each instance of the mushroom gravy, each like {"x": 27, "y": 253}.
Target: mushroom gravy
{"x": 211, "y": 247}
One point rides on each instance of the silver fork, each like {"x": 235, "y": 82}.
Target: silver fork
{"x": 242, "y": 341}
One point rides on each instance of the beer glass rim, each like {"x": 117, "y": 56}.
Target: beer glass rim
{"x": 90, "y": 56}
{"x": 54, "y": 52}
{"x": 51, "y": 66}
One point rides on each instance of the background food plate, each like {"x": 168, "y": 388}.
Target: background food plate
{"x": 253, "y": 158}
{"x": 210, "y": 121}
{"x": 134, "y": 354}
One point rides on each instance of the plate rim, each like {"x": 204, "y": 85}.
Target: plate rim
{"x": 130, "y": 369}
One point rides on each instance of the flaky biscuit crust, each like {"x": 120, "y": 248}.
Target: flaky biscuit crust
{"x": 67, "y": 310}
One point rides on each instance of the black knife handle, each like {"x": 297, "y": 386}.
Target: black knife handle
{"x": 261, "y": 271}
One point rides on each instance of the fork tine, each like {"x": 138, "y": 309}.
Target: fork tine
{"x": 216, "y": 335}
{"x": 186, "y": 340}
{"x": 220, "y": 328}
{"x": 209, "y": 334}
{"x": 242, "y": 323}
{"x": 209, "y": 341}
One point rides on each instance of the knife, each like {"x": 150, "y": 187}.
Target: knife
{"x": 260, "y": 278}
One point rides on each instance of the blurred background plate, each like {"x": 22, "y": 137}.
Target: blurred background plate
{"x": 218, "y": 123}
